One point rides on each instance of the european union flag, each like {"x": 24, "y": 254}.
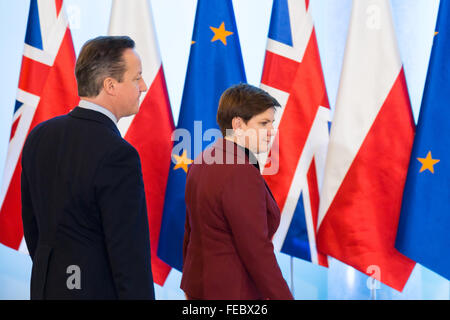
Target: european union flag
{"x": 424, "y": 226}
{"x": 215, "y": 63}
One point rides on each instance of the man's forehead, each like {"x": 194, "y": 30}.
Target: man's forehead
{"x": 132, "y": 59}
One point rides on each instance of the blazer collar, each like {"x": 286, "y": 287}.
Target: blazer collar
{"x": 241, "y": 152}
{"x": 235, "y": 149}
{"x": 82, "y": 113}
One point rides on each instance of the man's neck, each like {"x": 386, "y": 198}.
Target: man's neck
{"x": 102, "y": 103}
{"x": 91, "y": 105}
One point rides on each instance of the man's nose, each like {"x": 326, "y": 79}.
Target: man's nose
{"x": 142, "y": 85}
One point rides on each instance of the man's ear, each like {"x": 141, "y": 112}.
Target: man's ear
{"x": 109, "y": 86}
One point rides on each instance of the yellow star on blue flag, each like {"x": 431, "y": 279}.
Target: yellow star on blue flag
{"x": 220, "y": 33}
{"x": 182, "y": 161}
{"x": 428, "y": 163}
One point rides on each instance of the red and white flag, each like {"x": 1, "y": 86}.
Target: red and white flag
{"x": 293, "y": 74}
{"x": 150, "y": 130}
{"x": 368, "y": 155}
{"x": 47, "y": 88}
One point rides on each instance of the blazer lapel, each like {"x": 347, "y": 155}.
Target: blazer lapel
{"x": 268, "y": 189}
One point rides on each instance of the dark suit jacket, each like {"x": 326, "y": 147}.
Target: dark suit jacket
{"x": 230, "y": 220}
{"x": 83, "y": 205}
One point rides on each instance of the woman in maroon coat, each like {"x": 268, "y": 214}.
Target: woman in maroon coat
{"x": 231, "y": 215}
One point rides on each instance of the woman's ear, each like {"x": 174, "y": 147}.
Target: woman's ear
{"x": 236, "y": 123}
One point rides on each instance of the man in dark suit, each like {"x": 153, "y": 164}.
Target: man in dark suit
{"x": 83, "y": 203}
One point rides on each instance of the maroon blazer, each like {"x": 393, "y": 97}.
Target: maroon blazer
{"x": 231, "y": 218}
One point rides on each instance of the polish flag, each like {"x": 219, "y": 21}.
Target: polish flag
{"x": 150, "y": 130}
{"x": 368, "y": 155}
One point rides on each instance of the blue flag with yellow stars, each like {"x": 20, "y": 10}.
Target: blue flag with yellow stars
{"x": 215, "y": 63}
{"x": 424, "y": 226}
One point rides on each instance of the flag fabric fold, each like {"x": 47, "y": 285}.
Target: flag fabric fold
{"x": 215, "y": 63}
{"x": 47, "y": 88}
{"x": 150, "y": 130}
{"x": 425, "y": 220}
{"x": 370, "y": 144}
{"x": 293, "y": 74}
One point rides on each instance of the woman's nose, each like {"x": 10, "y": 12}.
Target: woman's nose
{"x": 270, "y": 130}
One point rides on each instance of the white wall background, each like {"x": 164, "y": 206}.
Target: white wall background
{"x": 414, "y": 22}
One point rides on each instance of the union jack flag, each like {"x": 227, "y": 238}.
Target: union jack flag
{"x": 47, "y": 88}
{"x": 293, "y": 74}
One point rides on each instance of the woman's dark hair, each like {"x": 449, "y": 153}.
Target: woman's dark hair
{"x": 242, "y": 100}
{"x": 100, "y": 58}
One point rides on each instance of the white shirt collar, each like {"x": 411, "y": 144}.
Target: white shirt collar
{"x": 92, "y": 106}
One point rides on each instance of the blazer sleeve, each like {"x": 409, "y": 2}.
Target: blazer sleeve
{"x": 244, "y": 203}
{"x": 30, "y": 229}
{"x": 119, "y": 191}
